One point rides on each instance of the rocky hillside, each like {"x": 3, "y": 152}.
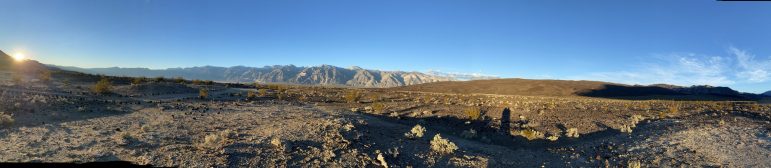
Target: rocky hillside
{"x": 316, "y": 75}
{"x": 26, "y": 66}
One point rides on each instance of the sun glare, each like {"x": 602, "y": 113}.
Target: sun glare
{"x": 19, "y": 56}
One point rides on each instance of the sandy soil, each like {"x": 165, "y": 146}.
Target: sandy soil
{"x": 318, "y": 127}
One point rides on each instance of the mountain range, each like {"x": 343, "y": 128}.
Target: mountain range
{"x": 315, "y": 75}
{"x": 531, "y": 87}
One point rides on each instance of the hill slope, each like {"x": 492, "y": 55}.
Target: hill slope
{"x": 317, "y": 75}
{"x": 767, "y": 93}
{"x": 528, "y": 87}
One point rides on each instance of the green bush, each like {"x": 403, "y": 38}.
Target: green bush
{"x": 103, "y": 86}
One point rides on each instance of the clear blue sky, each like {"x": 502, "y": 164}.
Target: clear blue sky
{"x": 682, "y": 42}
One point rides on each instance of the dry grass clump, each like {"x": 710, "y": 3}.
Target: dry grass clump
{"x": 626, "y": 128}
{"x": 572, "y": 133}
{"x": 473, "y": 113}
{"x": 378, "y": 107}
{"x": 103, "y": 86}
{"x": 553, "y": 137}
{"x": 138, "y": 80}
{"x": 203, "y": 93}
{"x": 352, "y": 96}
{"x": 416, "y": 132}
{"x": 45, "y": 76}
{"x": 262, "y": 92}
{"x": 277, "y": 87}
{"x": 123, "y": 138}
{"x": 6, "y": 120}
{"x": 672, "y": 110}
{"x": 250, "y": 95}
{"x": 159, "y": 79}
{"x": 179, "y": 80}
{"x": 277, "y": 143}
{"x": 633, "y": 164}
{"x": 217, "y": 140}
{"x": 442, "y": 145}
{"x": 531, "y": 134}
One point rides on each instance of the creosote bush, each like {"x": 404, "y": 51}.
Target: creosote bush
{"x": 250, "y": 94}
{"x": 138, "y": 80}
{"x": 6, "y": 120}
{"x": 203, "y": 93}
{"x": 159, "y": 79}
{"x": 442, "y": 145}
{"x": 103, "y": 86}
{"x": 416, "y": 132}
{"x": 572, "y": 133}
{"x": 179, "y": 80}
{"x": 352, "y": 96}
{"x": 45, "y": 76}
{"x": 531, "y": 134}
{"x": 378, "y": 107}
{"x": 634, "y": 164}
{"x": 263, "y": 92}
{"x": 473, "y": 113}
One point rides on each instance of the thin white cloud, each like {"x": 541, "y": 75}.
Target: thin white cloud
{"x": 462, "y": 76}
{"x": 737, "y": 67}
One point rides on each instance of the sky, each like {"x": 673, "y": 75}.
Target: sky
{"x": 683, "y": 42}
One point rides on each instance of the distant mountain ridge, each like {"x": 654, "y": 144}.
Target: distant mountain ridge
{"x": 530, "y": 87}
{"x": 767, "y": 93}
{"x": 315, "y": 75}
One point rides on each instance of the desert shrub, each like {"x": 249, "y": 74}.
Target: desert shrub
{"x": 138, "y": 80}
{"x": 262, "y": 92}
{"x": 572, "y": 133}
{"x": 352, "y": 96}
{"x": 179, "y": 80}
{"x": 203, "y": 93}
{"x": 281, "y": 96}
{"x": 378, "y": 107}
{"x": 45, "y": 76}
{"x": 531, "y": 134}
{"x": 6, "y": 120}
{"x": 277, "y": 87}
{"x": 673, "y": 109}
{"x": 123, "y": 138}
{"x": 442, "y": 146}
{"x": 197, "y": 82}
{"x": 276, "y": 142}
{"x": 633, "y": 164}
{"x": 215, "y": 141}
{"x": 626, "y": 128}
{"x": 250, "y": 94}
{"x": 553, "y": 137}
{"x": 103, "y": 86}
{"x": 416, "y": 132}
{"x": 159, "y": 79}
{"x": 473, "y": 113}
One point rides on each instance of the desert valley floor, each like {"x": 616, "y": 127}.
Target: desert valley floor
{"x": 168, "y": 123}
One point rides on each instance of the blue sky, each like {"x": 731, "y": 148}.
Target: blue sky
{"x": 681, "y": 42}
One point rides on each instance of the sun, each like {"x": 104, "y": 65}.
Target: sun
{"x": 19, "y": 57}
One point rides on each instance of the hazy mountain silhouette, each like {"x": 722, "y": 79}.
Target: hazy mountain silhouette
{"x": 315, "y": 75}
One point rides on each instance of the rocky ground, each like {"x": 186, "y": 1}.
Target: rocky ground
{"x": 167, "y": 124}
